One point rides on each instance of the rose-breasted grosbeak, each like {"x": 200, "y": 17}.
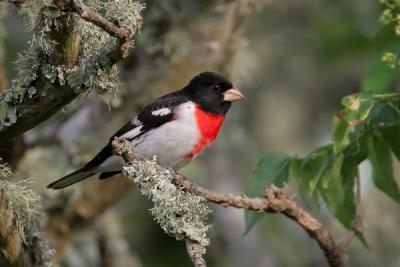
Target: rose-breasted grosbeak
{"x": 175, "y": 128}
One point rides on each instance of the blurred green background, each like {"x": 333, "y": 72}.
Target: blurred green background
{"x": 294, "y": 61}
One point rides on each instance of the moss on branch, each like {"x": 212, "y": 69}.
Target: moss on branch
{"x": 180, "y": 214}
{"x": 67, "y": 56}
{"x": 20, "y": 242}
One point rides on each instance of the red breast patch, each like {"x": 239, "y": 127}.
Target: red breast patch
{"x": 208, "y": 125}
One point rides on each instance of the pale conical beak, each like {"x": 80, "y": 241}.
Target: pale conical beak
{"x": 233, "y": 95}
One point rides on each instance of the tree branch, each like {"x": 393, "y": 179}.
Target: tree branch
{"x": 196, "y": 252}
{"x": 274, "y": 201}
{"x": 28, "y": 111}
{"x": 124, "y": 34}
{"x": 89, "y": 15}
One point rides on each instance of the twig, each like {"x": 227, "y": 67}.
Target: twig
{"x": 274, "y": 201}
{"x": 90, "y": 15}
{"x": 124, "y": 34}
{"x": 196, "y": 252}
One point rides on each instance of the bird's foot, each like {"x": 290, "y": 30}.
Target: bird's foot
{"x": 171, "y": 170}
{"x": 193, "y": 188}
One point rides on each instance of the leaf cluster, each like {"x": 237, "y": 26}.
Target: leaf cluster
{"x": 368, "y": 128}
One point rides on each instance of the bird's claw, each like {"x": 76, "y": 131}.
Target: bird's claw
{"x": 171, "y": 170}
{"x": 193, "y": 188}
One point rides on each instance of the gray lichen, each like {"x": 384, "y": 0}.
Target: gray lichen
{"x": 26, "y": 206}
{"x": 90, "y": 68}
{"x": 180, "y": 214}
{"x": 126, "y": 12}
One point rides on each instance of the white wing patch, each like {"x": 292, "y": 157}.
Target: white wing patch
{"x": 161, "y": 112}
{"x": 136, "y": 122}
{"x": 134, "y": 131}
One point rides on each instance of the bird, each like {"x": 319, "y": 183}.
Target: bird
{"x": 175, "y": 128}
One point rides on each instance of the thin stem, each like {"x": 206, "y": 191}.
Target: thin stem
{"x": 387, "y": 97}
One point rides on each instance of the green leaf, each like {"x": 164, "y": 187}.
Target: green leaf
{"x": 311, "y": 169}
{"x": 385, "y": 114}
{"x": 354, "y": 154}
{"x": 357, "y": 108}
{"x": 378, "y": 75}
{"x": 380, "y": 158}
{"x": 391, "y": 136}
{"x": 271, "y": 169}
{"x": 332, "y": 189}
{"x": 341, "y": 132}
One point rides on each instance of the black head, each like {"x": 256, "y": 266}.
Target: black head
{"x": 212, "y": 92}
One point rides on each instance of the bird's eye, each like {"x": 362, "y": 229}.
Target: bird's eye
{"x": 217, "y": 88}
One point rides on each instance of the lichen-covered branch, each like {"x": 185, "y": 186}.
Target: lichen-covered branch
{"x": 274, "y": 201}
{"x": 88, "y": 14}
{"x": 196, "y": 252}
{"x": 68, "y": 55}
{"x": 179, "y": 213}
{"x": 20, "y": 244}
{"x": 12, "y": 251}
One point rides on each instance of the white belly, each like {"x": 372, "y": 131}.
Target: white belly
{"x": 170, "y": 143}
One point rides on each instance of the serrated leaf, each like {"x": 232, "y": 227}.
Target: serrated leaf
{"x": 380, "y": 158}
{"x": 271, "y": 169}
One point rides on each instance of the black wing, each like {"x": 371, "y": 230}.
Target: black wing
{"x": 152, "y": 116}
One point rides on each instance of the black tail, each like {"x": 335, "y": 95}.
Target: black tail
{"x": 71, "y": 178}
{"x": 86, "y": 171}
